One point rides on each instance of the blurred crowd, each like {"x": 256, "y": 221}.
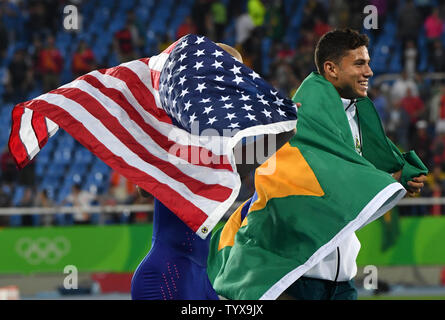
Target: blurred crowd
{"x": 412, "y": 106}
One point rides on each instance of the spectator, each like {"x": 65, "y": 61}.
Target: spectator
{"x": 339, "y": 14}
{"x": 137, "y": 31}
{"x": 397, "y": 125}
{"x": 83, "y": 60}
{"x": 437, "y": 56}
{"x": 275, "y": 20}
{"x": 400, "y": 87}
{"x": 433, "y": 26}
{"x": 198, "y": 19}
{"x": 243, "y": 28}
{"x": 421, "y": 142}
{"x": 438, "y": 147}
{"x": 26, "y": 202}
{"x": 20, "y": 76}
{"x": 320, "y": 28}
{"x": 43, "y": 201}
{"x": 437, "y": 105}
{"x": 81, "y": 199}
{"x": 50, "y": 65}
{"x": 187, "y": 27}
{"x": 219, "y": 15}
{"x": 256, "y": 11}
{"x": 124, "y": 43}
{"x": 413, "y": 105}
{"x": 4, "y": 38}
{"x": 9, "y": 171}
{"x": 34, "y": 55}
{"x": 435, "y": 188}
{"x": 410, "y": 58}
{"x": 409, "y": 23}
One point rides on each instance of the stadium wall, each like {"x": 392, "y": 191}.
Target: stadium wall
{"x": 120, "y": 248}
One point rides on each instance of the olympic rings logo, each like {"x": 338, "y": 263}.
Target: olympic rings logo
{"x": 43, "y": 249}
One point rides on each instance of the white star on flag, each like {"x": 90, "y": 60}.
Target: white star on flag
{"x": 200, "y": 87}
{"x": 281, "y": 112}
{"x": 228, "y": 106}
{"x": 279, "y": 102}
{"x": 187, "y": 105}
{"x": 192, "y": 118}
{"x": 236, "y": 69}
{"x": 217, "y": 53}
{"x": 238, "y": 80}
{"x": 254, "y": 75}
{"x": 217, "y": 64}
{"x": 224, "y": 99}
{"x": 182, "y": 80}
{"x": 219, "y": 78}
{"x": 244, "y": 98}
{"x": 230, "y": 116}
{"x": 198, "y": 65}
{"x": 208, "y": 109}
{"x": 247, "y": 107}
{"x": 250, "y": 116}
{"x": 199, "y": 53}
{"x": 199, "y": 40}
{"x": 267, "y": 113}
{"x": 212, "y": 120}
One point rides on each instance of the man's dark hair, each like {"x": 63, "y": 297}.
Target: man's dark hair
{"x": 334, "y": 45}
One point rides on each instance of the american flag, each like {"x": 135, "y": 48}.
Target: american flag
{"x": 167, "y": 123}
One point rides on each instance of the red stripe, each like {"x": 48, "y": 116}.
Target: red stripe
{"x": 39, "y": 125}
{"x": 139, "y": 91}
{"x": 155, "y": 76}
{"x": 206, "y": 158}
{"x": 16, "y": 146}
{"x": 171, "y": 47}
{"x": 184, "y": 209}
{"x": 214, "y": 192}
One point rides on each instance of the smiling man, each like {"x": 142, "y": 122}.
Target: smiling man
{"x": 295, "y": 238}
{"x": 342, "y": 58}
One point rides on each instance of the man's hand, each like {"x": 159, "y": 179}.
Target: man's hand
{"x": 414, "y": 186}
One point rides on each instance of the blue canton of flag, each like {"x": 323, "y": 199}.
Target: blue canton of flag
{"x": 203, "y": 84}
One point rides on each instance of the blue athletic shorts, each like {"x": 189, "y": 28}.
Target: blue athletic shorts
{"x": 175, "y": 268}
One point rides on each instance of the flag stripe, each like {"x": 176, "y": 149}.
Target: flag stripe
{"x": 167, "y": 187}
{"x": 185, "y": 152}
{"x": 106, "y": 116}
{"x": 39, "y": 126}
{"x": 180, "y": 136}
{"x": 27, "y": 134}
{"x": 16, "y": 145}
{"x": 51, "y": 104}
{"x": 140, "y": 91}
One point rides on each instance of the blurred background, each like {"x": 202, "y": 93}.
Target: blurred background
{"x": 42, "y": 48}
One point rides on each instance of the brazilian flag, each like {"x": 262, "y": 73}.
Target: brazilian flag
{"x": 315, "y": 191}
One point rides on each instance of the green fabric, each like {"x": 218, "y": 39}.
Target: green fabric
{"x": 281, "y": 237}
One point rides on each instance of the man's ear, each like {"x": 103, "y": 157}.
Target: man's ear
{"x": 330, "y": 69}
